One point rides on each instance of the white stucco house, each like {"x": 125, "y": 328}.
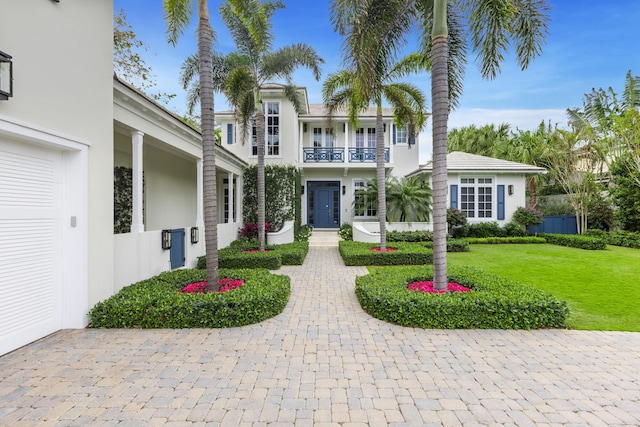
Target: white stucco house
{"x": 66, "y": 125}
{"x": 334, "y": 159}
{"x": 483, "y": 188}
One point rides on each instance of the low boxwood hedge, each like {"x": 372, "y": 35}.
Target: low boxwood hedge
{"x": 623, "y": 238}
{"x": 575, "y": 241}
{"x": 275, "y": 256}
{"x": 156, "y": 303}
{"x": 360, "y": 253}
{"x": 498, "y": 240}
{"x": 493, "y": 303}
{"x": 453, "y": 245}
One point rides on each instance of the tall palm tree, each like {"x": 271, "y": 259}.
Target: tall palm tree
{"x": 371, "y": 46}
{"x": 483, "y": 141}
{"x": 249, "y": 22}
{"x": 177, "y": 16}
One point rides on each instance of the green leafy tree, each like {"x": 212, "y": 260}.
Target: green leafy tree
{"x": 483, "y": 141}
{"x": 407, "y": 199}
{"x": 177, "y": 16}
{"x": 625, "y": 194}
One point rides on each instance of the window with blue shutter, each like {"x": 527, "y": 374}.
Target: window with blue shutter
{"x": 394, "y": 134}
{"x": 453, "y": 196}
{"x": 500, "y": 202}
{"x": 229, "y": 133}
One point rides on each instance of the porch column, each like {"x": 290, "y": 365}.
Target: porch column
{"x": 137, "y": 220}
{"x": 230, "y": 218}
{"x": 346, "y": 142}
{"x": 199, "y": 195}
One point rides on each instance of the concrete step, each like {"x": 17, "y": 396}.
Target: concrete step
{"x": 324, "y": 238}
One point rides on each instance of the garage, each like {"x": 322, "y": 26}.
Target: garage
{"x": 31, "y": 262}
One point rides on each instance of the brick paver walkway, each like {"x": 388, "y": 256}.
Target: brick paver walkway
{"x": 323, "y": 362}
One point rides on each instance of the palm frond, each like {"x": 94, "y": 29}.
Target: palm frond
{"x": 177, "y": 14}
{"x": 530, "y": 27}
{"x": 283, "y": 62}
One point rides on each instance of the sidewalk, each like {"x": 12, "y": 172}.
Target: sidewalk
{"x": 323, "y": 362}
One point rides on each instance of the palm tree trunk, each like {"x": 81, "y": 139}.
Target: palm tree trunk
{"x": 440, "y": 103}
{"x": 531, "y": 181}
{"x": 208, "y": 145}
{"x": 260, "y": 135}
{"x": 380, "y": 177}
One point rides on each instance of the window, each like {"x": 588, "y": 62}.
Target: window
{"x": 360, "y": 207}
{"x": 402, "y": 134}
{"x": 329, "y": 138}
{"x": 317, "y": 137}
{"x": 272, "y": 122}
{"x": 476, "y": 197}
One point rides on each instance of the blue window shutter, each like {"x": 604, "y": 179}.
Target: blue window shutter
{"x": 229, "y": 133}
{"x": 453, "y": 195}
{"x": 412, "y": 138}
{"x": 394, "y": 134}
{"x": 500, "y": 201}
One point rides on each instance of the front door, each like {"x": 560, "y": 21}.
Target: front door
{"x": 324, "y": 204}
{"x": 177, "y": 248}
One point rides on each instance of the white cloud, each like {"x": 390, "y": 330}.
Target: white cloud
{"x": 517, "y": 119}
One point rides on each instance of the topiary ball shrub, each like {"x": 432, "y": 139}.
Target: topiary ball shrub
{"x": 157, "y": 303}
{"x": 493, "y": 303}
{"x": 360, "y": 253}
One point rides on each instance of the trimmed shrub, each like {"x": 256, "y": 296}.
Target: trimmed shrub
{"x": 498, "y": 240}
{"x": 493, "y": 303}
{"x": 234, "y": 256}
{"x": 303, "y": 233}
{"x": 575, "y": 241}
{"x": 453, "y": 245}
{"x": 360, "y": 253}
{"x": 346, "y": 232}
{"x": 409, "y": 236}
{"x": 156, "y": 303}
{"x": 627, "y": 239}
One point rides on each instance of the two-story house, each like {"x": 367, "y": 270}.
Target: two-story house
{"x": 335, "y": 158}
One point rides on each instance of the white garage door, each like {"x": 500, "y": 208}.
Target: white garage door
{"x": 30, "y": 243}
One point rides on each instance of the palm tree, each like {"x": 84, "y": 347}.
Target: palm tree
{"x": 177, "y": 16}
{"x": 370, "y": 48}
{"x": 409, "y": 199}
{"x": 483, "y": 141}
{"x": 249, "y": 22}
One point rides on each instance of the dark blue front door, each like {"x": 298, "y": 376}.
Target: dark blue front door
{"x": 324, "y": 204}
{"x": 177, "y": 248}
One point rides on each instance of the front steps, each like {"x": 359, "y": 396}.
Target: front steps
{"x": 324, "y": 238}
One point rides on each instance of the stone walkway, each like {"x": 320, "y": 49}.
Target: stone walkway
{"x": 323, "y": 362}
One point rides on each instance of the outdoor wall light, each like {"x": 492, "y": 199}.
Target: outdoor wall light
{"x": 344, "y": 190}
{"x": 195, "y": 235}
{"x": 166, "y": 239}
{"x": 302, "y": 189}
{"x": 6, "y": 76}
{"x": 510, "y": 190}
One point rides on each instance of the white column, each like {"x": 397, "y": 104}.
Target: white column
{"x": 137, "y": 220}
{"x": 346, "y": 142}
{"x": 199, "y": 195}
{"x": 231, "y": 195}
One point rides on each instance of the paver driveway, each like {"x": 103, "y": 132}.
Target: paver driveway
{"x": 323, "y": 362}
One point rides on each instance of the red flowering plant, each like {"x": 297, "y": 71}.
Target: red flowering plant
{"x": 378, "y": 249}
{"x": 226, "y": 285}
{"x": 427, "y": 287}
{"x": 250, "y": 230}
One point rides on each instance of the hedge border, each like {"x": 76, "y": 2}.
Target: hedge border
{"x": 505, "y": 240}
{"x": 493, "y": 303}
{"x": 575, "y": 241}
{"x": 360, "y": 253}
{"x": 274, "y": 257}
{"x": 156, "y": 303}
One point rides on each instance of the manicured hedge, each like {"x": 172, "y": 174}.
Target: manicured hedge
{"x": 453, "y": 245}
{"x": 274, "y": 257}
{"x": 628, "y": 239}
{"x": 360, "y": 253}
{"x": 498, "y": 240}
{"x": 409, "y": 236}
{"x": 493, "y": 303}
{"x": 575, "y": 241}
{"x": 156, "y": 303}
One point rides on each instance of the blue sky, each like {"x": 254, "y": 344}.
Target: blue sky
{"x": 591, "y": 44}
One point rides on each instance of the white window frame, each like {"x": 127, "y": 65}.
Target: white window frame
{"x": 358, "y": 184}
{"x": 479, "y": 184}
{"x": 402, "y": 135}
{"x": 267, "y": 147}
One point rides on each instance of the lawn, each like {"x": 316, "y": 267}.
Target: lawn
{"x": 602, "y": 287}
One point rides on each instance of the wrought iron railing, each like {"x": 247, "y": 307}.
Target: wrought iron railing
{"x": 324, "y": 155}
{"x": 365, "y": 155}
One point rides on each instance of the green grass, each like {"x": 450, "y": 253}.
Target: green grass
{"x": 601, "y": 287}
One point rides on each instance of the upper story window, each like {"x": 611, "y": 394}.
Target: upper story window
{"x": 476, "y": 197}
{"x": 323, "y": 138}
{"x": 366, "y": 140}
{"x": 402, "y": 134}
{"x": 272, "y": 131}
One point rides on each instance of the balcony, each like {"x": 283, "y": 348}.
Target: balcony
{"x": 324, "y": 155}
{"x": 366, "y": 155}
{"x": 336, "y": 155}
